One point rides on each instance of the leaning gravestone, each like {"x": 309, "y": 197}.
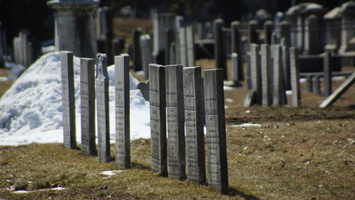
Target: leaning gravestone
{"x": 123, "y": 148}
{"x": 87, "y": 98}
{"x": 194, "y": 115}
{"x": 102, "y": 103}
{"x": 216, "y": 130}
{"x": 175, "y": 121}
{"x": 68, "y": 99}
{"x": 158, "y": 118}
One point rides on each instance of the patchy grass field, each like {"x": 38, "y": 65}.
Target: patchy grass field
{"x": 295, "y": 153}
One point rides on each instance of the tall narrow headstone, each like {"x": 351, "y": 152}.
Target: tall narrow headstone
{"x": 268, "y": 29}
{"x": 147, "y": 57}
{"x": 190, "y": 46}
{"x": 265, "y": 75}
{"x": 237, "y": 48}
{"x": 285, "y": 31}
{"x": 255, "y": 71}
{"x": 123, "y": 140}
{"x": 285, "y": 63}
{"x": 137, "y": 53}
{"x": 182, "y": 46}
{"x": 87, "y": 99}
{"x": 102, "y": 104}
{"x": 312, "y": 36}
{"x": 157, "y": 98}
{"x": 219, "y": 47}
{"x": 252, "y": 34}
{"x": 216, "y": 131}
{"x": 295, "y": 78}
{"x": 278, "y": 92}
{"x": 194, "y": 115}
{"x": 327, "y": 74}
{"x": 68, "y": 99}
{"x": 175, "y": 121}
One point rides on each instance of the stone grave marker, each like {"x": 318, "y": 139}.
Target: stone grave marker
{"x": 327, "y": 74}
{"x": 158, "y": 118}
{"x": 278, "y": 92}
{"x": 175, "y": 121}
{"x": 102, "y": 105}
{"x": 123, "y": 141}
{"x": 194, "y": 115}
{"x": 87, "y": 98}
{"x": 255, "y": 71}
{"x": 220, "y": 49}
{"x": 216, "y": 130}
{"x": 295, "y": 83}
{"x": 68, "y": 99}
{"x": 265, "y": 75}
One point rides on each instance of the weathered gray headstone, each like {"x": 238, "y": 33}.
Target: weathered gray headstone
{"x": 183, "y": 46}
{"x": 347, "y": 31}
{"x": 194, "y": 115}
{"x": 123, "y": 141}
{"x": 147, "y": 57}
{"x": 295, "y": 78}
{"x": 312, "y": 36}
{"x": 216, "y": 130}
{"x": 265, "y": 75}
{"x": 87, "y": 98}
{"x": 68, "y": 99}
{"x": 157, "y": 98}
{"x": 175, "y": 121}
{"x": 255, "y": 71}
{"x": 102, "y": 104}
{"x": 190, "y": 46}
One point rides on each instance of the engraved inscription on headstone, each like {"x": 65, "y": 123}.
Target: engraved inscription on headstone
{"x": 157, "y": 99}
{"x": 102, "y": 103}
{"x": 123, "y": 149}
{"x": 175, "y": 121}
{"x": 194, "y": 115}
{"x": 216, "y": 130}
{"x": 68, "y": 99}
{"x": 87, "y": 95}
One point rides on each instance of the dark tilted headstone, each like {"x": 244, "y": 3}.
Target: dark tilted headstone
{"x": 265, "y": 75}
{"x": 137, "y": 53}
{"x": 194, "y": 115}
{"x": 295, "y": 78}
{"x": 102, "y": 104}
{"x": 68, "y": 99}
{"x": 219, "y": 46}
{"x": 236, "y": 46}
{"x": 175, "y": 121}
{"x": 87, "y": 98}
{"x": 278, "y": 86}
{"x": 255, "y": 71}
{"x": 123, "y": 142}
{"x": 157, "y": 100}
{"x": 327, "y": 74}
{"x": 216, "y": 130}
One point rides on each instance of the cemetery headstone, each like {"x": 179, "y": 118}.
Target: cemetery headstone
{"x": 255, "y": 71}
{"x": 278, "y": 86}
{"x": 327, "y": 74}
{"x": 236, "y": 47}
{"x": 102, "y": 104}
{"x": 220, "y": 49}
{"x": 175, "y": 121}
{"x": 87, "y": 99}
{"x": 157, "y": 100}
{"x": 265, "y": 75}
{"x": 137, "y": 53}
{"x": 68, "y": 99}
{"x": 123, "y": 140}
{"x": 295, "y": 83}
{"x": 194, "y": 115}
{"x": 216, "y": 130}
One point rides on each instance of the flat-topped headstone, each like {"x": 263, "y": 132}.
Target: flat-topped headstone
{"x": 68, "y": 99}
{"x": 295, "y": 77}
{"x": 268, "y": 29}
{"x": 102, "y": 104}
{"x": 220, "y": 46}
{"x": 236, "y": 46}
{"x": 123, "y": 140}
{"x": 87, "y": 99}
{"x": 194, "y": 115}
{"x": 157, "y": 98}
{"x": 175, "y": 121}
{"x": 278, "y": 86}
{"x": 255, "y": 71}
{"x": 137, "y": 52}
{"x": 265, "y": 75}
{"x": 216, "y": 131}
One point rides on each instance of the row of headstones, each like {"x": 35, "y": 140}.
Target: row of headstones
{"x": 92, "y": 88}
{"x": 269, "y": 69}
{"x": 176, "y": 107}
